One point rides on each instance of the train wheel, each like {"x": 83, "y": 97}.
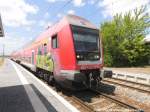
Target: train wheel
{"x": 40, "y": 74}
{"x": 51, "y": 80}
{"x": 90, "y": 80}
{"x": 57, "y": 86}
{"x": 46, "y": 77}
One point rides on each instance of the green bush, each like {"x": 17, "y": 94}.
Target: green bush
{"x": 123, "y": 39}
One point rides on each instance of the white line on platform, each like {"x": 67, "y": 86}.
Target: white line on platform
{"x": 61, "y": 99}
{"x": 33, "y": 97}
{"x": 20, "y": 75}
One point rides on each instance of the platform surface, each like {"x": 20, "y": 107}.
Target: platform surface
{"x": 135, "y": 70}
{"x": 22, "y": 92}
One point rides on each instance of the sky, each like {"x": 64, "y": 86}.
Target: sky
{"x": 24, "y": 20}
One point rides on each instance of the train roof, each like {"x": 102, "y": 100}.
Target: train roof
{"x": 67, "y": 20}
{"x": 79, "y": 21}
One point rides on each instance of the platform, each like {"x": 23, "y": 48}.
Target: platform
{"x": 21, "y": 91}
{"x": 138, "y": 75}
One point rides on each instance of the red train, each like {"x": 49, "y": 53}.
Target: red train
{"x": 70, "y": 53}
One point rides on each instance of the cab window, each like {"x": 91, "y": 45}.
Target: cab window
{"x": 54, "y": 41}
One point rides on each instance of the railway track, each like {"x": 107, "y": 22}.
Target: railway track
{"x": 95, "y": 101}
{"x": 79, "y": 104}
{"x": 133, "y": 85}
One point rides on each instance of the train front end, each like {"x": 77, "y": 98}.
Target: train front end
{"x": 89, "y": 56}
{"x": 82, "y": 46}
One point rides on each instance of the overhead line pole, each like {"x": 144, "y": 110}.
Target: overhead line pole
{"x": 3, "y": 50}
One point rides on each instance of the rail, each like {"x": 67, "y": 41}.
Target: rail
{"x": 117, "y": 101}
{"x": 129, "y": 84}
{"x": 103, "y": 102}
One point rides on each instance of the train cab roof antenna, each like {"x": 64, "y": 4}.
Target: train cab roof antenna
{"x": 1, "y": 28}
{"x": 48, "y": 27}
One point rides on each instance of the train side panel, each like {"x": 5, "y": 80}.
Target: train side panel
{"x": 67, "y": 53}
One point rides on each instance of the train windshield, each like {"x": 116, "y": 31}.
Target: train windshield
{"x": 86, "y": 42}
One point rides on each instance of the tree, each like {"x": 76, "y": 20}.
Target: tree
{"x": 122, "y": 39}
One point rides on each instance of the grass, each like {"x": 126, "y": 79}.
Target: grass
{"x": 1, "y": 61}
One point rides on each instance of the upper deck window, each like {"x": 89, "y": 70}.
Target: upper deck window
{"x": 45, "y": 49}
{"x": 54, "y": 41}
{"x": 39, "y": 50}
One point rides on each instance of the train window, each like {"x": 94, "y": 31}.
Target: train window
{"x": 45, "y": 49}
{"x": 54, "y": 41}
{"x": 32, "y": 61}
{"x": 86, "y": 42}
{"x": 39, "y": 51}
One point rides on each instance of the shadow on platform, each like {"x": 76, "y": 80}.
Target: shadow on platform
{"x": 15, "y": 99}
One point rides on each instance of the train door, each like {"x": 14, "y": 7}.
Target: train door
{"x": 55, "y": 53}
{"x": 32, "y": 60}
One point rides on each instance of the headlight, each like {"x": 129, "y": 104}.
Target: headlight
{"x": 96, "y": 56}
{"x": 78, "y": 56}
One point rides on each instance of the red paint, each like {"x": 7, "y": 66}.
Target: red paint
{"x": 64, "y": 56}
{"x": 67, "y": 52}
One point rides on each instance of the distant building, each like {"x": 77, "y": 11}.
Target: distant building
{"x": 1, "y": 28}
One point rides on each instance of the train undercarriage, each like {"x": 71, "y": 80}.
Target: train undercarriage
{"x": 76, "y": 81}
{"x": 72, "y": 79}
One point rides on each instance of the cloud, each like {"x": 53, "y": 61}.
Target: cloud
{"x": 112, "y": 7}
{"x": 92, "y": 2}
{"x": 71, "y": 12}
{"x": 46, "y": 15}
{"x": 60, "y": 15}
{"x": 41, "y": 23}
{"x": 76, "y": 3}
{"x": 45, "y": 24}
{"x": 15, "y": 12}
{"x": 12, "y": 44}
{"x": 53, "y": 1}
